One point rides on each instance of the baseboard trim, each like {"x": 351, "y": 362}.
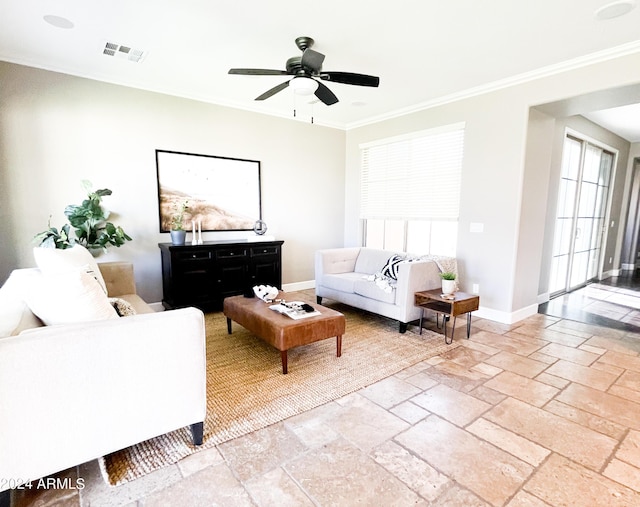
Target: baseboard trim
{"x": 506, "y": 317}
{"x": 292, "y": 287}
{"x": 543, "y": 298}
{"x": 157, "y": 307}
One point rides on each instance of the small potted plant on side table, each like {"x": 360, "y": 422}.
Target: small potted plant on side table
{"x": 448, "y": 282}
{"x": 178, "y": 234}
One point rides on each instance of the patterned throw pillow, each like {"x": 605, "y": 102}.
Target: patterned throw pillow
{"x": 392, "y": 266}
{"x": 123, "y": 308}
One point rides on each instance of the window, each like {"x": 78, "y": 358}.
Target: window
{"x": 410, "y": 191}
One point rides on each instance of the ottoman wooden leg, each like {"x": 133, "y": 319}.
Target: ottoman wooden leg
{"x": 228, "y": 325}
{"x": 338, "y": 345}
{"x": 283, "y": 356}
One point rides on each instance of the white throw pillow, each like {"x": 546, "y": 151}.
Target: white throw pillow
{"x": 53, "y": 261}
{"x": 67, "y": 297}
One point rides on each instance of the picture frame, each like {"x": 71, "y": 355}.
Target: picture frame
{"x": 221, "y": 193}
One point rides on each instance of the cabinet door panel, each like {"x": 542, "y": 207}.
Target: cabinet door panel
{"x": 266, "y": 273}
{"x": 232, "y": 279}
{"x": 193, "y": 285}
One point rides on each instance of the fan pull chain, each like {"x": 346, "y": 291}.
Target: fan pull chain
{"x": 295, "y": 108}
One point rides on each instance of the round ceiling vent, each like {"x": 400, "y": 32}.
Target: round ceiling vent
{"x": 615, "y": 9}
{"x": 58, "y": 21}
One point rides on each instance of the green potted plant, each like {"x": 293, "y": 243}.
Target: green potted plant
{"x": 54, "y": 238}
{"x": 178, "y": 234}
{"x": 448, "y": 282}
{"x": 91, "y": 228}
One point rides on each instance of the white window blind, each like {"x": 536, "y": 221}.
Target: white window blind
{"x": 413, "y": 177}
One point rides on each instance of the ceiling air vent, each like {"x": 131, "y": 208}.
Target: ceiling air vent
{"x": 123, "y": 52}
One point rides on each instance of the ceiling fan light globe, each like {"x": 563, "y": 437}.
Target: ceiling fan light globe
{"x": 303, "y": 85}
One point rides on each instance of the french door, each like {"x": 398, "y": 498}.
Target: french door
{"x": 581, "y": 214}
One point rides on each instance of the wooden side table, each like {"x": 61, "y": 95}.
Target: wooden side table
{"x": 461, "y": 303}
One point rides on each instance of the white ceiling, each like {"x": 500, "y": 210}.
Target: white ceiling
{"x": 424, "y": 51}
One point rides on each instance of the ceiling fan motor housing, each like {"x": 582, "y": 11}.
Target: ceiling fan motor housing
{"x": 294, "y": 66}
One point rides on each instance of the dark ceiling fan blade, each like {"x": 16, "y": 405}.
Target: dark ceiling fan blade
{"x": 273, "y": 91}
{"x": 312, "y": 60}
{"x": 350, "y": 78}
{"x": 258, "y": 72}
{"x": 325, "y": 95}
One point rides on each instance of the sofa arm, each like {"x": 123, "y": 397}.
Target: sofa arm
{"x": 118, "y": 277}
{"x": 335, "y": 260}
{"x": 73, "y": 393}
{"x": 414, "y": 277}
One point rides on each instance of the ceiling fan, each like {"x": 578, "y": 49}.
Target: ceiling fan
{"x": 306, "y": 71}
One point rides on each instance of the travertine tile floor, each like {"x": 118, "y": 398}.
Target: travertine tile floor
{"x": 544, "y": 412}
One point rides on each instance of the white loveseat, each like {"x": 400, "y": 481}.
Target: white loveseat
{"x": 71, "y": 393}
{"x": 354, "y": 276}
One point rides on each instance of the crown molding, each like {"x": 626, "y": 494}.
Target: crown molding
{"x": 525, "y": 77}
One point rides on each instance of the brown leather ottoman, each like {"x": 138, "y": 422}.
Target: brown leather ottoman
{"x": 281, "y": 331}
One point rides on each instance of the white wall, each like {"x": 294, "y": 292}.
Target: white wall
{"x": 496, "y": 190}
{"x": 56, "y": 130}
{"x": 537, "y": 175}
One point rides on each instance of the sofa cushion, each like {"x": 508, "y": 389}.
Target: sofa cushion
{"x": 53, "y": 261}
{"x": 344, "y": 282}
{"x": 371, "y": 260}
{"x": 66, "y": 297}
{"x": 369, "y": 289}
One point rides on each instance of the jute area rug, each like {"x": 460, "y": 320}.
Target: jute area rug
{"x": 246, "y": 390}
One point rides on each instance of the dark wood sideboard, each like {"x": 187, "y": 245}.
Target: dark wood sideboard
{"x": 203, "y": 275}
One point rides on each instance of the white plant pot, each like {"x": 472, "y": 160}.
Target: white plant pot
{"x": 448, "y": 286}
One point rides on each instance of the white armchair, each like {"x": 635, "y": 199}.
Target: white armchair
{"x": 75, "y": 392}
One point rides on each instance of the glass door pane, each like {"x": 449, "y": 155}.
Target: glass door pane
{"x": 581, "y": 214}
{"x": 590, "y": 217}
{"x": 565, "y": 215}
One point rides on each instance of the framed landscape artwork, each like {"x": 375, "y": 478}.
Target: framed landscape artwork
{"x": 222, "y": 194}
